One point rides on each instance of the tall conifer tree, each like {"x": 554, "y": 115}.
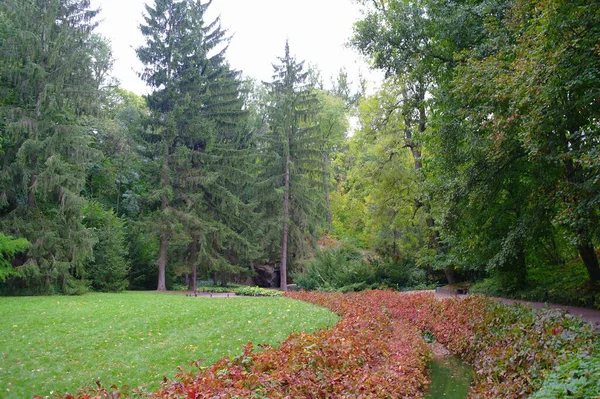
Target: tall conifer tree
{"x": 47, "y": 86}
{"x": 198, "y": 125}
{"x": 296, "y": 164}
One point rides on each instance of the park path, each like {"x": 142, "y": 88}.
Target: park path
{"x": 591, "y": 316}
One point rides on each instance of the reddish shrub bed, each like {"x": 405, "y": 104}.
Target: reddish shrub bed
{"x": 361, "y": 357}
{"x": 512, "y": 349}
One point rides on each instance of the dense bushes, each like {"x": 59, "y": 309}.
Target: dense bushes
{"x": 242, "y": 290}
{"x": 109, "y": 267}
{"x": 565, "y": 284}
{"x": 347, "y": 269}
{"x": 9, "y": 247}
{"x": 256, "y": 291}
{"x": 577, "y": 378}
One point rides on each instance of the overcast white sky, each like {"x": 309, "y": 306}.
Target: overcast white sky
{"x": 317, "y": 31}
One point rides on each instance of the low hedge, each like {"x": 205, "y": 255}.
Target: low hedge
{"x": 242, "y": 290}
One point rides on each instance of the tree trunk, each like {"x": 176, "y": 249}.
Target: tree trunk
{"x": 193, "y": 259}
{"x": 588, "y": 254}
{"x": 415, "y": 150}
{"x": 162, "y": 258}
{"x": 286, "y": 221}
{"x": 326, "y": 186}
{"x": 162, "y": 263}
{"x": 118, "y": 197}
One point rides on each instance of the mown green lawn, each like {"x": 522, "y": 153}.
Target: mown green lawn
{"x": 58, "y": 344}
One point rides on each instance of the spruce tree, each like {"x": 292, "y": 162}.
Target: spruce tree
{"x": 198, "y": 129}
{"x": 294, "y": 164}
{"x": 47, "y": 87}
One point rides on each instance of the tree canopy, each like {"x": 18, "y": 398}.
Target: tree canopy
{"x": 476, "y": 158}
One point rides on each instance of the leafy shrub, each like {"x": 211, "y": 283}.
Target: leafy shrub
{"x": 355, "y": 287}
{"x": 346, "y": 269}
{"x": 242, "y": 290}
{"x": 256, "y": 291}
{"x": 73, "y": 286}
{"x": 215, "y": 289}
{"x": 577, "y": 378}
{"x": 566, "y": 284}
{"x": 332, "y": 269}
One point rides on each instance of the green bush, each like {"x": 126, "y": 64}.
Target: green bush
{"x": 346, "y": 269}
{"x": 577, "y": 378}
{"x": 109, "y": 268}
{"x": 214, "y": 289}
{"x": 332, "y": 269}
{"x": 256, "y": 291}
{"x": 242, "y": 290}
{"x": 563, "y": 284}
{"x": 74, "y": 286}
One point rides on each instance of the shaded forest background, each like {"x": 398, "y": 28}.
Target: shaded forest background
{"x": 476, "y": 160}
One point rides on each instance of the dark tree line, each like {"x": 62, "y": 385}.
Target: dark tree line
{"x": 477, "y": 157}
{"x": 205, "y": 177}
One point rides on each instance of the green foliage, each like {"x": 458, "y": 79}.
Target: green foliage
{"x": 565, "y": 284}
{"x": 198, "y": 145}
{"x": 133, "y": 339}
{"x": 256, "y": 291}
{"x": 347, "y": 269}
{"x": 293, "y": 163}
{"x": 241, "y": 290}
{"x": 143, "y": 252}
{"x": 509, "y": 134}
{"x": 9, "y": 247}
{"x": 378, "y": 201}
{"x": 333, "y": 268}
{"x": 51, "y": 72}
{"x": 576, "y": 378}
{"x": 109, "y": 269}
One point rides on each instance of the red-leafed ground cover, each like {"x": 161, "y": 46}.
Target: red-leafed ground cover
{"x": 511, "y": 348}
{"x": 377, "y": 351}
